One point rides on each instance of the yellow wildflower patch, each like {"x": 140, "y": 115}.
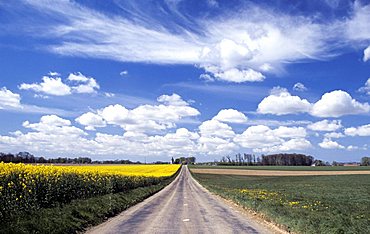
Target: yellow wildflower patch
{"x": 281, "y": 199}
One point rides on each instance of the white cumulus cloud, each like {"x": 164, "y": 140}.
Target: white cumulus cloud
{"x": 363, "y": 130}
{"x": 290, "y": 132}
{"x": 9, "y": 99}
{"x": 84, "y": 84}
{"x": 281, "y": 102}
{"x": 338, "y": 103}
{"x": 352, "y": 147}
{"x": 230, "y": 116}
{"x": 329, "y": 144}
{"x": 53, "y": 85}
{"x": 216, "y": 145}
{"x": 325, "y": 125}
{"x": 49, "y": 85}
{"x": 290, "y": 145}
{"x": 261, "y": 138}
{"x": 52, "y": 134}
{"x": 52, "y": 124}
{"x": 366, "y": 54}
{"x": 173, "y": 99}
{"x": 332, "y": 104}
{"x": 214, "y": 128}
{"x": 144, "y": 118}
{"x": 334, "y": 135}
{"x": 91, "y": 121}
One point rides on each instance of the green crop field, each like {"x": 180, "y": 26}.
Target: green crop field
{"x": 307, "y": 204}
{"x": 287, "y": 168}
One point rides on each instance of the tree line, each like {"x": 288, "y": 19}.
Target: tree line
{"x": 237, "y": 160}
{"x": 287, "y": 160}
{"x": 183, "y": 160}
{"x": 267, "y": 160}
{"x": 281, "y": 160}
{"x": 26, "y": 157}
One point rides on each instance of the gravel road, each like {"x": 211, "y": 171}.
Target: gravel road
{"x": 183, "y": 207}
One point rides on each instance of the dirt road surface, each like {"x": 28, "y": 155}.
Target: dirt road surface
{"x": 183, "y": 207}
{"x": 275, "y": 173}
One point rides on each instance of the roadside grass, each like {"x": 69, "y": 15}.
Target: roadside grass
{"x": 307, "y": 204}
{"x": 287, "y": 168}
{"x": 80, "y": 214}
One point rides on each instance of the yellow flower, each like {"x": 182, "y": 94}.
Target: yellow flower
{"x": 293, "y": 203}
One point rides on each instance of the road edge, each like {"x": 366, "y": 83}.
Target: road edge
{"x": 251, "y": 214}
{"x": 116, "y": 218}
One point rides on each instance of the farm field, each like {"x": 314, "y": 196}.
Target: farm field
{"x": 305, "y": 204}
{"x": 32, "y": 190}
{"x": 126, "y": 170}
{"x": 275, "y": 172}
{"x": 288, "y": 168}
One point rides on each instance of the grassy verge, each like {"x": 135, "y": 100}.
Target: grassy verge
{"x": 286, "y": 168}
{"x": 309, "y": 204}
{"x": 79, "y": 214}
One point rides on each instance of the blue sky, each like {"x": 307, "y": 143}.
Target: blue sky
{"x": 156, "y": 79}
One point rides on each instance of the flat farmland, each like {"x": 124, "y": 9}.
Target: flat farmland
{"x": 66, "y": 199}
{"x": 303, "y": 204}
{"x": 287, "y": 168}
{"x": 184, "y": 207}
{"x": 276, "y": 172}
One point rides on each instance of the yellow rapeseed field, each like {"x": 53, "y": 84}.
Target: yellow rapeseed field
{"x": 131, "y": 170}
{"x": 29, "y": 187}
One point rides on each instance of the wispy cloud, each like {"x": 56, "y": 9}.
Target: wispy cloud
{"x": 46, "y": 110}
{"x": 123, "y": 73}
{"x": 247, "y": 44}
{"x": 299, "y": 87}
{"x": 11, "y": 102}
{"x": 357, "y": 27}
{"x": 277, "y": 123}
{"x": 247, "y": 93}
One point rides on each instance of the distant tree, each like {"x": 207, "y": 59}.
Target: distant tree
{"x": 248, "y": 159}
{"x": 259, "y": 160}
{"x": 319, "y": 163}
{"x": 228, "y": 158}
{"x": 183, "y": 160}
{"x": 190, "y": 160}
{"x": 41, "y": 160}
{"x": 365, "y": 161}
